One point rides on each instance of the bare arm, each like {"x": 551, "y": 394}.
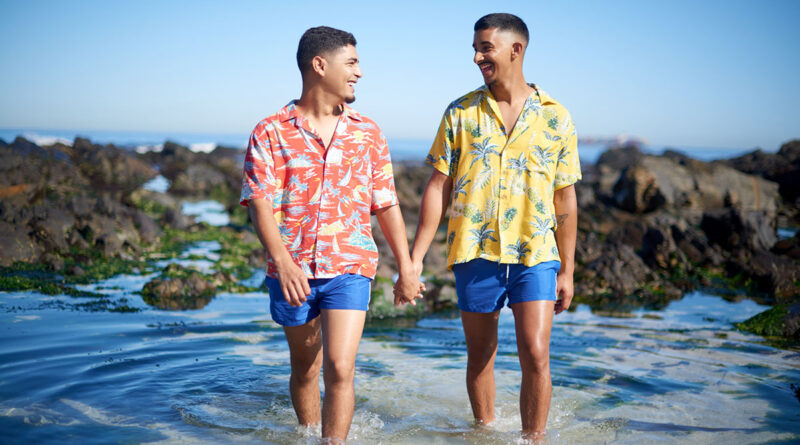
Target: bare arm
{"x": 293, "y": 281}
{"x": 435, "y": 200}
{"x": 408, "y": 286}
{"x": 566, "y": 207}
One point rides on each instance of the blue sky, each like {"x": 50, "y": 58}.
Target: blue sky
{"x": 680, "y": 73}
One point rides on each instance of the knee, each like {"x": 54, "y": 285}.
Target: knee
{"x": 306, "y": 369}
{"x": 338, "y": 371}
{"x": 535, "y": 359}
{"x": 479, "y": 361}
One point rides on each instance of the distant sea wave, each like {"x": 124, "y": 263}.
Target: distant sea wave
{"x": 401, "y": 149}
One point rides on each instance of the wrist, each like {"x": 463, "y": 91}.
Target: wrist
{"x": 406, "y": 267}
{"x": 283, "y": 260}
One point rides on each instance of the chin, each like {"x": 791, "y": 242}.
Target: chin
{"x": 349, "y": 99}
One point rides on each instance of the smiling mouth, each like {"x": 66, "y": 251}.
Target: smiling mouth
{"x": 485, "y": 67}
{"x": 352, "y": 83}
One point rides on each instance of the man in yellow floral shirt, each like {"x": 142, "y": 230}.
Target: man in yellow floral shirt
{"x": 505, "y": 160}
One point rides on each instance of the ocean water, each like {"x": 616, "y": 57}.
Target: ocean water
{"x": 220, "y": 375}
{"x": 401, "y": 149}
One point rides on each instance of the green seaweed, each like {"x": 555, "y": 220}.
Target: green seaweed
{"x": 767, "y": 324}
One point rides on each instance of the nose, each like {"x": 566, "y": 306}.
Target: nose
{"x": 358, "y": 72}
{"x": 478, "y": 57}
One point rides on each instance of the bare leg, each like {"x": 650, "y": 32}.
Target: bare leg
{"x": 305, "y": 345}
{"x": 533, "y": 322}
{"x": 341, "y": 334}
{"x": 480, "y": 332}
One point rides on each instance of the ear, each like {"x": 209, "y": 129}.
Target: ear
{"x": 517, "y": 50}
{"x": 318, "y": 65}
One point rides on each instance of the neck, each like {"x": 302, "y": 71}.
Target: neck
{"x": 511, "y": 89}
{"x": 317, "y": 104}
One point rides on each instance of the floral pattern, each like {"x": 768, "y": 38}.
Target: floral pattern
{"x": 501, "y": 205}
{"x": 322, "y": 200}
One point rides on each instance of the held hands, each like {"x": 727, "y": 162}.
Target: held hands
{"x": 408, "y": 286}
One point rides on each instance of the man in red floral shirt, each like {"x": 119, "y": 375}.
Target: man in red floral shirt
{"x": 313, "y": 174}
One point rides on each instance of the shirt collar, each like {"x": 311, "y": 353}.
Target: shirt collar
{"x": 544, "y": 98}
{"x": 290, "y": 112}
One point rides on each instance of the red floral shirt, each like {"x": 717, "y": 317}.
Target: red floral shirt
{"x": 321, "y": 200}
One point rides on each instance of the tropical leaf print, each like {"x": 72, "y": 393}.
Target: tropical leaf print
{"x": 519, "y": 249}
{"x": 480, "y": 236}
{"x": 543, "y": 156}
{"x": 482, "y": 178}
{"x": 541, "y": 226}
{"x": 483, "y": 151}
{"x": 459, "y": 188}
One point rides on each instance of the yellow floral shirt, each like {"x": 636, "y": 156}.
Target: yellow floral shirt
{"x": 501, "y": 205}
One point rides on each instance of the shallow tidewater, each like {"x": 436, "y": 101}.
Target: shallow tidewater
{"x": 220, "y": 374}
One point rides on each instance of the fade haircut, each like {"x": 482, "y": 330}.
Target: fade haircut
{"x": 319, "y": 41}
{"x": 503, "y": 22}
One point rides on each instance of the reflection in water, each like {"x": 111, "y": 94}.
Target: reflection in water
{"x": 211, "y": 212}
{"x": 220, "y": 375}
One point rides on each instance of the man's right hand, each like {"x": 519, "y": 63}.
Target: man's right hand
{"x": 294, "y": 283}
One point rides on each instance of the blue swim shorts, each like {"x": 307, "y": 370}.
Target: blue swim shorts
{"x": 483, "y": 285}
{"x": 347, "y": 291}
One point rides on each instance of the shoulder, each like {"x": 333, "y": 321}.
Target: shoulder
{"x": 361, "y": 122}
{"x": 548, "y": 101}
{"x": 273, "y": 121}
{"x": 557, "y": 114}
{"x": 469, "y": 100}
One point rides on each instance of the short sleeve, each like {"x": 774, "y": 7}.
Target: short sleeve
{"x": 383, "y": 191}
{"x": 568, "y": 166}
{"x": 258, "y": 177}
{"x": 440, "y": 154}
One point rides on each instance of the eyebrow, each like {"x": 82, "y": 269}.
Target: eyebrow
{"x": 353, "y": 59}
{"x": 485, "y": 42}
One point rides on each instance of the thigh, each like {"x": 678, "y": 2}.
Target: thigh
{"x": 480, "y": 333}
{"x": 533, "y": 321}
{"x": 480, "y": 286}
{"x": 341, "y": 333}
{"x": 305, "y": 342}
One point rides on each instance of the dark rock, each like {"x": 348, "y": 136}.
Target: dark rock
{"x": 620, "y": 158}
{"x": 789, "y": 247}
{"x": 75, "y": 239}
{"x": 109, "y": 168}
{"x": 179, "y": 293}
{"x": 791, "y": 322}
{"x": 734, "y": 229}
{"x": 17, "y": 245}
{"x": 695, "y": 246}
{"x": 621, "y": 277}
{"x": 81, "y": 205}
{"x": 774, "y": 275}
{"x": 782, "y": 167}
{"x": 637, "y": 190}
{"x": 148, "y": 230}
{"x": 54, "y": 262}
{"x": 176, "y": 219}
{"x": 658, "y": 249}
{"x": 51, "y": 228}
{"x": 195, "y": 179}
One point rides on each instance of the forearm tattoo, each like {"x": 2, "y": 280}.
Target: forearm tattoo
{"x": 561, "y": 218}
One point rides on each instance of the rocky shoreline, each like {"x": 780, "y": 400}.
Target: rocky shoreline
{"x": 651, "y": 228}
